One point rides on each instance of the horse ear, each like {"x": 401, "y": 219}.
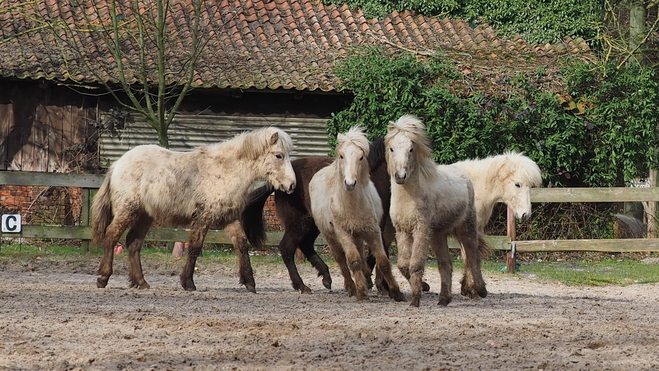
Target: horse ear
{"x": 274, "y": 138}
{"x": 391, "y": 126}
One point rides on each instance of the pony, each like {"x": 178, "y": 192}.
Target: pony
{"x": 506, "y": 178}
{"x": 200, "y": 189}
{"x": 347, "y": 210}
{"x": 294, "y": 213}
{"x": 429, "y": 203}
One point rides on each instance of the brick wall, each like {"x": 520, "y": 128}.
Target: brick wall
{"x": 42, "y": 204}
{"x": 271, "y": 220}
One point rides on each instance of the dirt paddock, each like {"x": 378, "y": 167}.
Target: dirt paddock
{"x": 52, "y": 317}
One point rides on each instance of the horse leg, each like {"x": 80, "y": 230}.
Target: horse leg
{"x": 472, "y": 283}
{"x": 340, "y": 256}
{"x": 404, "y": 243}
{"x": 112, "y": 234}
{"x": 388, "y": 236}
{"x": 417, "y": 265}
{"x": 196, "y": 239}
{"x": 241, "y": 249}
{"x": 384, "y": 267}
{"x": 355, "y": 259}
{"x": 439, "y": 245}
{"x": 307, "y": 247}
{"x": 135, "y": 240}
{"x": 287, "y": 246}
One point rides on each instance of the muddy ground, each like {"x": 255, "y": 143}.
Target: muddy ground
{"x": 52, "y": 317}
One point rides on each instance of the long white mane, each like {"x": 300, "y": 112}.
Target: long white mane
{"x": 503, "y": 167}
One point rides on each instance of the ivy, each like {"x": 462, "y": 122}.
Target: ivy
{"x": 609, "y": 140}
{"x": 538, "y": 21}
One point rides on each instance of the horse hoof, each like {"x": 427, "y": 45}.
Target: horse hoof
{"x": 425, "y": 286}
{"x": 306, "y": 290}
{"x": 327, "y": 282}
{"x": 101, "y": 283}
{"x": 473, "y": 293}
{"x": 482, "y": 292}
{"x": 143, "y": 286}
{"x": 444, "y": 301}
{"x": 415, "y": 302}
{"x": 363, "y": 297}
{"x": 251, "y": 288}
{"x": 398, "y": 296}
{"x": 193, "y": 288}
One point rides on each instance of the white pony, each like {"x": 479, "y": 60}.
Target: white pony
{"x": 506, "y": 178}
{"x": 347, "y": 210}
{"x": 198, "y": 189}
{"x": 429, "y": 204}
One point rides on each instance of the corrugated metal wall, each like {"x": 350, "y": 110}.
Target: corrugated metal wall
{"x": 187, "y": 132}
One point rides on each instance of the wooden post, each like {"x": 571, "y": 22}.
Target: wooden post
{"x": 651, "y": 209}
{"x": 85, "y": 215}
{"x": 511, "y": 256}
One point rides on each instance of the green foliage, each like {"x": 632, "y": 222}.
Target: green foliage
{"x": 537, "y": 20}
{"x": 610, "y": 140}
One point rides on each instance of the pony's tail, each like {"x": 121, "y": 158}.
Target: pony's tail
{"x": 252, "y": 218}
{"x": 102, "y": 210}
{"x": 484, "y": 248}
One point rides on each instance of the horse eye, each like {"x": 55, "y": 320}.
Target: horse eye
{"x": 391, "y": 149}
{"x": 341, "y": 156}
{"x": 361, "y": 158}
{"x": 411, "y": 149}
{"x": 518, "y": 185}
{"x": 279, "y": 156}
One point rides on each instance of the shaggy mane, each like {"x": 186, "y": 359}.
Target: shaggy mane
{"x": 411, "y": 127}
{"x": 490, "y": 167}
{"x": 356, "y": 136}
{"x": 253, "y": 144}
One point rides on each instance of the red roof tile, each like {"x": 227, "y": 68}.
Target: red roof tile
{"x": 264, "y": 44}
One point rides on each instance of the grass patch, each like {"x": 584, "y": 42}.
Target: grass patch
{"x": 594, "y": 273}
{"x": 605, "y": 272}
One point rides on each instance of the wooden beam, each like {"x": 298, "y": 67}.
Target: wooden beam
{"x": 36, "y": 178}
{"x": 609, "y": 245}
{"x": 617, "y": 194}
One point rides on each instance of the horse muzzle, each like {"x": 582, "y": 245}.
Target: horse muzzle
{"x": 350, "y": 185}
{"x": 400, "y": 178}
{"x": 288, "y": 190}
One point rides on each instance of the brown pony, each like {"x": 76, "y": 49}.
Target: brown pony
{"x": 199, "y": 189}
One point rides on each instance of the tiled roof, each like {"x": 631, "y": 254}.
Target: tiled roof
{"x": 263, "y": 44}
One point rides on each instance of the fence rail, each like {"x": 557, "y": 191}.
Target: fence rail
{"x": 91, "y": 182}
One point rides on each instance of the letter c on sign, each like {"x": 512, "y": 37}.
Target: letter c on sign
{"x": 11, "y": 223}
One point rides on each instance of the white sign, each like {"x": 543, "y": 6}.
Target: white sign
{"x": 11, "y": 223}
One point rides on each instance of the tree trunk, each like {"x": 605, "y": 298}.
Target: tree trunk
{"x": 637, "y": 16}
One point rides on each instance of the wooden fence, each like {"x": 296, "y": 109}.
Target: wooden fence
{"x": 90, "y": 183}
